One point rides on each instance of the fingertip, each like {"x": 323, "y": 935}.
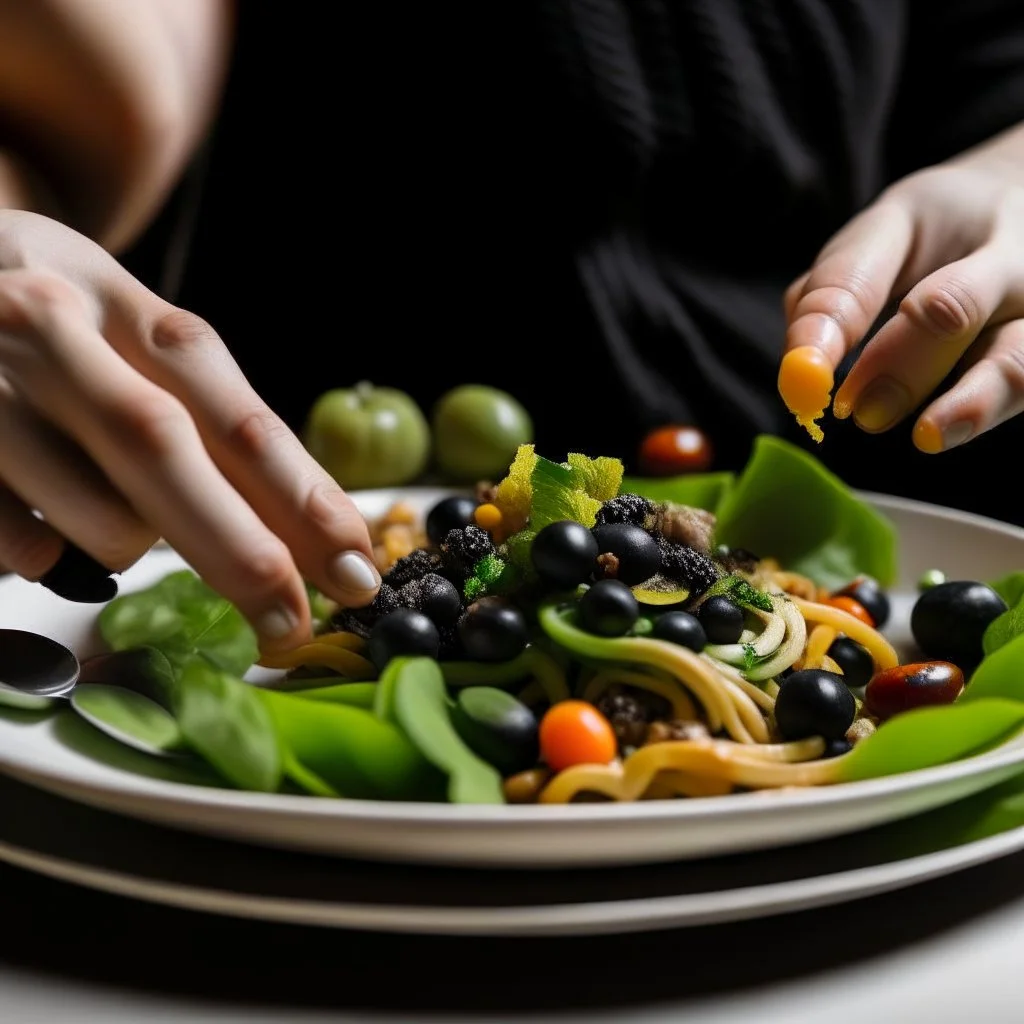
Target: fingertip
{"x": 281, "y": 628}
{"x": 927, "y": 437}
{"x": 355, "y": 579}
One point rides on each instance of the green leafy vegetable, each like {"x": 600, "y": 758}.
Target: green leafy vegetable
{"x": 926, "y": 737}
{"x": 600, "y": 478}
{"x": 491, "y": 575}
{"x": 128, "y": 717}
{"x": 740, "y": 591}
{"x": 698, "y": 490}
{"x": 787, "y": 505}
{"x": 556, "y": 497}
{"x": 421, "y": 710}
{"x": 181, "y": 616}
{"x": 349, "y": 748}
{"x": 999, "y": 674}
{"x": 1010, "y": 624}
{"x": 224, "y": 720}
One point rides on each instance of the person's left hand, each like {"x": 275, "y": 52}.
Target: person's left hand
{"x": 950, "y": 241}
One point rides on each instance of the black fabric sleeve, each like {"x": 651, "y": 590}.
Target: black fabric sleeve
{"x": 962, "y": 80}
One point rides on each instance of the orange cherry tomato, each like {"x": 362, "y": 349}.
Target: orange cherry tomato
{"x": 805, "y": 383}
{"x": 853, "y": 607}
{"x": 668, "y": 451}
{"x": 575, "y": 732}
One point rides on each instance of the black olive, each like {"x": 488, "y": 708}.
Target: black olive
{"x": 637, "y": 552}
{"x": 870, "y": 596}
{"x": 492, "y": 630}
{"x": 564, "y": 553}
{"x": 949, "y": 620}
{"x": 854, "y": 659}
{"x": 608, "y": 608}
{"x": 454, "y": 513}
{"x": 497, "y": 727}
{"x": 435, "y": 596}
{"x": 680, "y": 628}
{"x": 722, "y": 620}
{"x": 813, "y": 702}
{"x": 404, "y": 631}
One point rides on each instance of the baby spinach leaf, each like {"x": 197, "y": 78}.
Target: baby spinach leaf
{"x": 420, "y": 707}
{"x": 223, "y": 719}
{"x": 1000, "y": 674}
{"x": 926, "y": 737}
{"x": 698, "y": 490}
{"x": 181, "y": 616}
{"x": 788, "y": 506}
{"x": 350, "y": 749}
{"x": 128, "y": 717}
{"x": 1010, "y": 624}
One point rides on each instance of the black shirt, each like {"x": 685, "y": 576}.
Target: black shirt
{"x": 593, "y": 204}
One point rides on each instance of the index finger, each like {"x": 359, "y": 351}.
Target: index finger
{"x": 850, "y": 282}
{"x": 832, "y": 307}
{"x": 262, "y": 459}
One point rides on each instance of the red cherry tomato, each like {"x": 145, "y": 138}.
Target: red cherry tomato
{"x": 918, "y": 685}
{"x": 575, "y": 732}
{"x": 675, "y": 449}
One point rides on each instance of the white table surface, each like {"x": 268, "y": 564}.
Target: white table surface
{"x": 948, "y": 950}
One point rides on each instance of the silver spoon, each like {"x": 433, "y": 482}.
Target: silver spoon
{"x": 123, "y": 693}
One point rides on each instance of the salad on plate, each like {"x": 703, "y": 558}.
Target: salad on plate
{"x": 570, "y": 634}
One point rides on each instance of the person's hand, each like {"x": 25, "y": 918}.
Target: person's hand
{"x": 947, "y": 244}
{"x": 124, "y": 419}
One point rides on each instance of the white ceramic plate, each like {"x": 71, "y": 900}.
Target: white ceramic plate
{"x": 110, "y": 853}
{"x": 59, "y": 754}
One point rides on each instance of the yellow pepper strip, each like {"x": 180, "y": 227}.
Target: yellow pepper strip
{"x": 830, "y": 666}
{"x": 732, "y": 762}
{"x": 350, "y": 641}
{"x": 347, "y": 663}
{"x": 683, "y": 707}
{"x": 843, "y": 622}
{"x": 818, "y": 643}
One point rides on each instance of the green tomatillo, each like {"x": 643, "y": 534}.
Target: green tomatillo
{"x": 367, "y": 436}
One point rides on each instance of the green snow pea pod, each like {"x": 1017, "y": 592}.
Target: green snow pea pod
{"x": 351, "y": 750}
{"x": 356, "y": 695}
{"x": 418, "y": 701}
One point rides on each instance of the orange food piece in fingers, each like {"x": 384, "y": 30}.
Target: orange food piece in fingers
{"x": 805, "y": 384}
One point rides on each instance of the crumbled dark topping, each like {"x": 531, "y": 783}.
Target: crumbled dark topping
{"x": 737, "y": 560}
{"x": 361, "y": 620}
{"x": 694, "y": 569}
{"x": 627, "y": 715}
{"x": 413, "y": 566}
{"x": 627, "y": 508}
{"x": 462, "y": 549}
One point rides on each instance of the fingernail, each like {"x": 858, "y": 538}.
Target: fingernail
{"x": 354, "y": 572}
{"x": 277, "y": 623}
{"x": 77, "y": 576}
{"x": 883, "y": 403}
{"x": 956, "y": 434}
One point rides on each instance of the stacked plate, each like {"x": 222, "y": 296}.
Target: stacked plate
{"x": 82, "y": 808}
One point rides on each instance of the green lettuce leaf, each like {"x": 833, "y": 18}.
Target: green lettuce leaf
{"x": 787, "y": 505}
{"x": 1010, "y": 624}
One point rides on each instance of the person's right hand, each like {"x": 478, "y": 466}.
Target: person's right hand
{"x": 124, "y": 419}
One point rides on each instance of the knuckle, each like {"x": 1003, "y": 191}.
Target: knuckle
{"x": 267, "y": 569}
{"x": 255, "y": 432}
{"x": 180, "y": 329}
{"x": 949, "y": 308}
{"x": 1009, "y": 362}
{"x": 29, "y": 551}
{"x": 29, "y": 299}
{"x": 153, "y": 421}
{"x": 122, "y": 547}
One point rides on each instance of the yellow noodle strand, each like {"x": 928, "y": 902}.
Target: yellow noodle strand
{"x": 843, "y": 622}
{"x": 731, "y": 762}
{"x": 347, "y": 663}
{"x": 349, "y": 641}
{"x": 818, "y": 643}
{"x": 670, "y": 784}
